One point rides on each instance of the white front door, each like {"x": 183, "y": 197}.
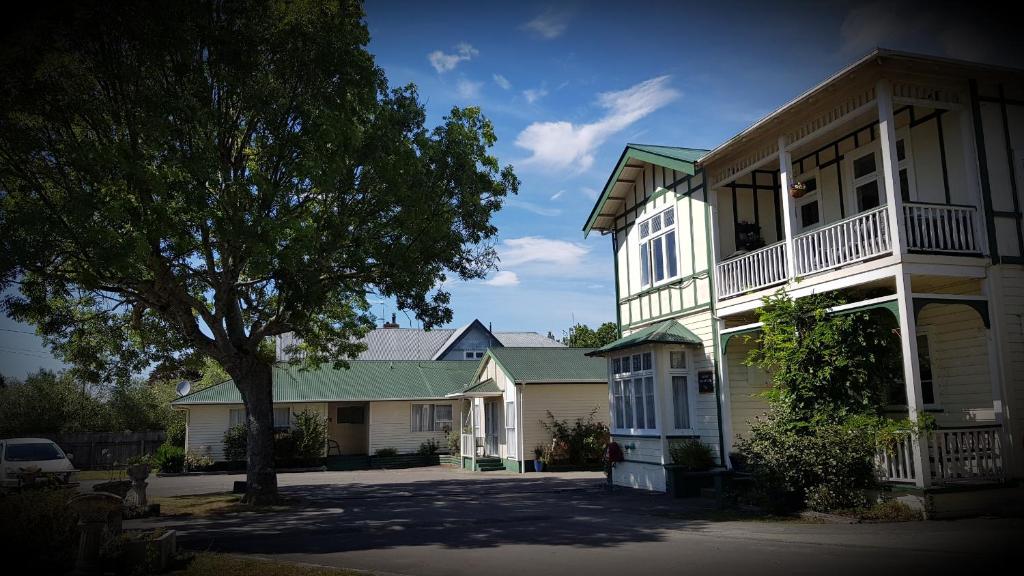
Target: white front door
{"x": 492, "y": 426}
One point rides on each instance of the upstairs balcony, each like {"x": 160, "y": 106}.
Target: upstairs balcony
{"x": 930, "y": 228}
{"x": 886, "y": 169}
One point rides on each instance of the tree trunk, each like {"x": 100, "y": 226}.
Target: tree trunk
{"x": 253, "y": 378}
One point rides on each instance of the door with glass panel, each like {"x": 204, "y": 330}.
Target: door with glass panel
{"x": 492, "y": 426}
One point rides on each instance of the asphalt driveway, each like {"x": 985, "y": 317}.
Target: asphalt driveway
{"x": 435, "y": 521}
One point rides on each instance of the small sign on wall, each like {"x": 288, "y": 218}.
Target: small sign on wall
{"x": 706, "y": 382}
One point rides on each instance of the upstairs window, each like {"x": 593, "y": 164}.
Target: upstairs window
{"x": 658, "y": 253}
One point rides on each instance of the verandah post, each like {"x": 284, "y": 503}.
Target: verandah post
{"x": 912, "y": 377}
{"x": 890, "y": 165}
{"x": 785, "y": 182}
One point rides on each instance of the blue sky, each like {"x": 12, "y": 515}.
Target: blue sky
{"x": 568, "y": 84}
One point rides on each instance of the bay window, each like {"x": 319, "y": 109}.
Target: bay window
{"x": 658, "y": 255}
{"x": 633, "y": 395}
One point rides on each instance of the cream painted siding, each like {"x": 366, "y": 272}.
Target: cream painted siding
{"x": 207, "y": 425}
{"x": 960, "y": 368}
{"x": 391, "y": 423}
{"x": 1009, "y": 285}
{"x": 565, "y": 401}
{"x": 744, "y": 385}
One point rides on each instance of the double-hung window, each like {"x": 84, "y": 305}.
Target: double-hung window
{"x": 679, "y": 373}
{"x": 431, "y": 418}
{"x": 658, "y": 256}
{"x": 236, "y": 417}
{"x": 633, "y": 392}
{"x": 510, "y": 429}
{"x": 282, "y": 418}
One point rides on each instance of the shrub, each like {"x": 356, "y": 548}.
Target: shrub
{"x": 692, "y": 455}
{"x": 310, "y": 435}
{"x": 386, "y": 452}
{"x": 38, "y": 527}
{"x": 454, "y": 442}
{"x": 169, "y": 458}
{"x": 176, "y": 432}
{"x": 235, "y": 443}
{"x": 196, "y": 460}
{"x": 285, "y": 447}
{"x": 580, "y": 443}
{"x": 428, "y": 448}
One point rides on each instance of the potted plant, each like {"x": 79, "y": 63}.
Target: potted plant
{"x": 690, "y": 471}
{"x": 798, "y": 189}
{"x": 748, "y": 236}
{"x": 538, "y": 458}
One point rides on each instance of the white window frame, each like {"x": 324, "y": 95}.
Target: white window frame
{"x": 432, "y": 423}
{"x": 647, "y": 240}
{"x": 511, "y": 450}
{"x": 691, "y": 392}
{"x": 624, "y": 382}
{"x": 851, "y": 183}
{"x": 236, "y": 417}
{"x": 928, "y": 333}
{"x": 814, "y": 196}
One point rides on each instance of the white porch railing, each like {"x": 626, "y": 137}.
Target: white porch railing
{"x": 468, "y": 445}
{"x": 941, "y": 227}
{"x": 967, "y": 454}
{"x": 850, "y": 240}
{"x": 896, "y": 463}
{"x": 758, "y": 269}
{"x": 954, "y": 455}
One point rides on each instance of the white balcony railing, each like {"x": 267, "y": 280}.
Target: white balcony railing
{"x": 860, "y": 237}
{"x": 954, "y": 455}
{"x": 941, "y": 227}
{"x": 966, "y": 454}
{"x": 468, "y": 445}
{"x": 754, "y": 270}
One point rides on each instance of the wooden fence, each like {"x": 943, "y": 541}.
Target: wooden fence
{"x": 103, "y": 450}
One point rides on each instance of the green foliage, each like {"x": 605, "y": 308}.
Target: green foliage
{"x": 38, "y": 526}
{"x": 582, "y": 442}
{"x": 454, "y": 440}
{"x": 235, "y": 443}
{"x": 428, "y": 448}
{"x": 692, "y": 454}
{"x": 310, "y": 435}
{"x": 582, "y": 336}
{"x": 386, "y": 452}
{"x": 188, "y": 179}
{"x": 169, "y": 458}
{"x": 51, "y": 403}
{"x": 829, "y": 372}
{"x": 196, "y": 461}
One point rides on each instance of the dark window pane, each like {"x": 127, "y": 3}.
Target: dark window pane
{"x": 809, "y": 214}
{"x": 901, "y": 151}
{"x": 615, "y": 366}
{"x": 924, "y": 364}
{"x": 351, "y": 415}
{"x": 811, "y": 184}
{"x": 867, "y": 196}
{"x": 647, "y": 360}
{"x": 670, "y": 250}
{"x": 904, "y": 185}
{"x": 645, "y": 266}
{"x": 659, "y": 262}
{"x": 636, "y": 363}
{"x": 864, "y": 165}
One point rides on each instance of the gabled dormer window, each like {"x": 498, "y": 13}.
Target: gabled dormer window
{"x": 658, "y": 257}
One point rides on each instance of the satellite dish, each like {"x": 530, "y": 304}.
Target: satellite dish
{"x": 183, "y": 387}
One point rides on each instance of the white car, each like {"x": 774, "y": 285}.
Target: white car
{"x": 25, "y": 460}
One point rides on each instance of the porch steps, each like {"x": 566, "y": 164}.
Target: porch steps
{"x": 489, "y": 464}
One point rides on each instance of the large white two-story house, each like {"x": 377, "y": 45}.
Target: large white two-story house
{"x": 898, "y": 182}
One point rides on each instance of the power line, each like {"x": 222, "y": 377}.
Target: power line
{"x": 17, "y": 331}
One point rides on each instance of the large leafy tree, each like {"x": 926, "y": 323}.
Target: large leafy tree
{"x": 188, "y": 179}
{"x": 583, "y": 336}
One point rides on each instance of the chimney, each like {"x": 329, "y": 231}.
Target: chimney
{"x": 391, "y": 324}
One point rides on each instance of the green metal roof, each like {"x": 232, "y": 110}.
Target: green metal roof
{"x": 550, "y": 364}
{"x": 681, "y": 159}
{"x": 365, "y": 380}
{"x": 486, "y": 388}
{"x": 665, "y": 332}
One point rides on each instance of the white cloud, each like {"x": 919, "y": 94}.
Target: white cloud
{"x": 560, "y": 145}
{"x": 549, "y": 25}
{"x": 539, "y": 250}
{"x": 534, "y": 94}
{"x": 502, "y": 81}
{"x": 589, "y": 192}
{"x": 535, "y": 208}
{"x": 468, "y": 89}
{"x": 443, "y": 62}
{"x": 557, "y": 195}
{"x": 503, "y": 278}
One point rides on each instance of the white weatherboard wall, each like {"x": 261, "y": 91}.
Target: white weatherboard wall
{"x": 960, "y": 364}
{"x": 391, "y": 424}
{"x": 208, "y": 423}
{"x": 745, "y": 385}
{"x": 566, "y": 402}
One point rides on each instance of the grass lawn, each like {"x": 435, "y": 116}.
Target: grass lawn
{"x": 85, "y": 475}
{"x": 209, "y": 564}
{"x": 213, "y": 504}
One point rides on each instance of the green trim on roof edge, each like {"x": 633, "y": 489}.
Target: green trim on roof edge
{"x": 664, "y": 332}
{"x": 681, "y": 159}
